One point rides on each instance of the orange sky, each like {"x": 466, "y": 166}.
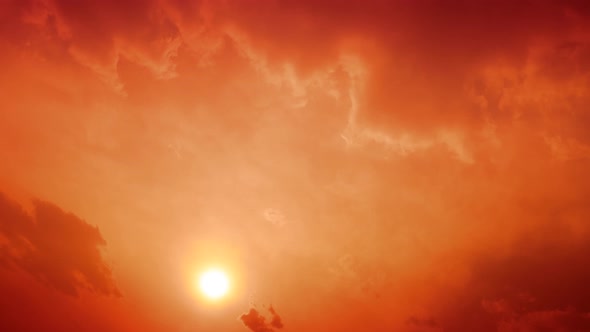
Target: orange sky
{"x": 412, "y": 166}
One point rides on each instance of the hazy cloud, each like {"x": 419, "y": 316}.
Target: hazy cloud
{"x": 444, "y": 147}
{"x": 275, "y": 217}
{"x": 539, "y": 285}
{"x": 55, "y": 247}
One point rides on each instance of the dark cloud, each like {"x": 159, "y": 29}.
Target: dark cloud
{"x": 53, "y": 276}
{"x": 276, "y": 320}
{"x": 540, "y": 285}
{"x": 551, "y": 320}
{"x": 55, "y": 247}
{"x": 257, "y": 322}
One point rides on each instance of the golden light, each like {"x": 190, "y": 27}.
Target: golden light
{"x": 214, "y": 283}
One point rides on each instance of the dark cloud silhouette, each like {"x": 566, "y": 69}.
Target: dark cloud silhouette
{"x": 276, "y": 320}
{"x": 55, "y": 247}
{"x": 257, "y": 322}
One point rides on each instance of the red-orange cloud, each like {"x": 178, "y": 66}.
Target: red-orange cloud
{"x": 257, "y": 323}
{"x": 55, "y": 247}
{"x": 426, "y": 161}
{"x": 53, "y": 275}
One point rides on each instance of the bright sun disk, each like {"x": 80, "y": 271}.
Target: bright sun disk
{"x": 214, "y": 283}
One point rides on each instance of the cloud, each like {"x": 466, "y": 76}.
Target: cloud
{"x": 276, "y": 320}
{"x": 409, "y": 83}
{"x": 405, "y": 133}
{"x": 101, "y": 33}
{"x": 257, "y": 323}
{"x": 540, "y": 284}
{"x": 407, "y": 87}
{"x": 275, "y": 217}
{"x": 53, "y": 276}
{"x": 550, "y": 320}
{"x": 55, "y": 247}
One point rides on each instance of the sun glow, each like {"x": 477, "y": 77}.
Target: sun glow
{"x": 214, "y": 284}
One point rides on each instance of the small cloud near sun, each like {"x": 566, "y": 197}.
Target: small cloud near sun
{"x": 256, "y": 322}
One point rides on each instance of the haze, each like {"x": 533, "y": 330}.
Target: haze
{"x": 412, "y": 166}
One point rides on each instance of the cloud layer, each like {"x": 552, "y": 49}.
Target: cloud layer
{"x": 365, "y": 165}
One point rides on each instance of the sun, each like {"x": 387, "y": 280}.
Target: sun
{"x": 214, "y": 284}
